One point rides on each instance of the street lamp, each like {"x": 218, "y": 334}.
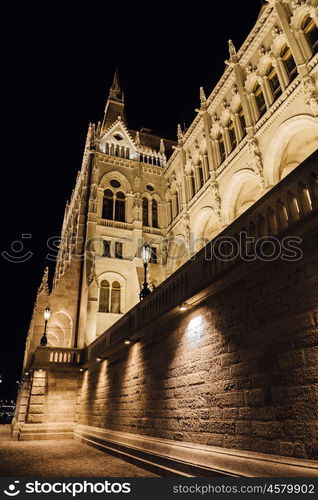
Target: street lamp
{"x": 145, "y": 257}
{"x": 46, "y": 314}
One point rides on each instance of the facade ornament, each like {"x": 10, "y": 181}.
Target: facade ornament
{"x": 187, "y": 228}
{"x": 232, "y": 52}
{"x": 179, "y": 134}
{"x": 261, "y": 51}
{"x": 234, "y": 90}
{"x": 225, "y": 104}
{"x": 276, "y": 31}
{"x": 137, "y": 139}
{"x": 255, "y": 161}
{"x": 249, "y": 69}
{"x": 162, "y": 148}
{"x": 92, "y": 275}
{"x": 44, "y": 286}
{"x": 216, "y": 202}
{"x": 202, "y": 96}
{"x": 311, "y": 93}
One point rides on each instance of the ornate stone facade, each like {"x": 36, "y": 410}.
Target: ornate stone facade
{"x": 258, "y": 123}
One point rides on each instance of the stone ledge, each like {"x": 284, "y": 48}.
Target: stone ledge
{"x": 29, "y": 432}
{"x": 195, "y": 459}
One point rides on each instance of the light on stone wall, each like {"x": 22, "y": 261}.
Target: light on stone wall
{"x": 183, "y": 307}
{"x": 127, "y": 341}
{"x": 195, "y": 329}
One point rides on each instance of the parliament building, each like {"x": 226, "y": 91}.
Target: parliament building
{"x": 252, "y": 131}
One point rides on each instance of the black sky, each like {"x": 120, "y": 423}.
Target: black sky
{"x": 58, "y": 65}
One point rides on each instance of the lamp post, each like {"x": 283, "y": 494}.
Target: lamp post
{"x": 145, "y": 257}
{"x": 46, "y": 314}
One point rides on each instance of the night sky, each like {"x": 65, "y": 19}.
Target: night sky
{"x": 58, "y": 67}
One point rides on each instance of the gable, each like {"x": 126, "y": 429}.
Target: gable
{"x": 118, "y": 139}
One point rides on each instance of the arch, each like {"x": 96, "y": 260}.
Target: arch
{"x": 61, "y": 328}
{"x": 104, "y": 181}
{"x": 293, "y": 142}
{"x": 145, "y": 211}
{"x": 111, "y": 292}
{"x": 205, "y": 226}
{"x": 242, "y": 190}
{"x": 154, "y": 209}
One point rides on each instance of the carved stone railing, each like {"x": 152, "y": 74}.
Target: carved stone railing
{"x": 52, "y": 356}
{"x": 291, "y": 200}
{"x": 116, "y": 224}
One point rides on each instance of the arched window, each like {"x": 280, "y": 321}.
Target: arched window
{"x": 242, "y": 121}
{"x": 154, "y": 213}
{"x": 108, "y": 205}
{"x": 289, "y": 62}
{"x": 115, "y": 299}
{"x": 260, "y": 101}
{"x": 104, "y": 297}
{"x": 200, "y": 176}
{"x": 120, "y": 207}
{"x": 222, "y": 147}
{"x": 145, "y": 218}
{"x": 310, "y": 29}
{"x": 232, "y": 135}
{"x": 274, "y": 82}
{"x": 192, "y": 185}
{"x": 177, "y": 202}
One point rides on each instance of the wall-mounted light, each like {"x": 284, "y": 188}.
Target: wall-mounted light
{"x": 127, "y": 341}
{"x": 183, "y": 307}
{"x": 81, "y": 369}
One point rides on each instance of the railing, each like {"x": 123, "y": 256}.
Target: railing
{"x": 45, "y": 356}
{"x": 291, "y": 200}
{"x": 116, "y": 224}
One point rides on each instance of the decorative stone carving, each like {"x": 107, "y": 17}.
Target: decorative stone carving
{"x": 311, "y": 93}
{"x": 256, "y": 162}
{"x": 216, "y": 202}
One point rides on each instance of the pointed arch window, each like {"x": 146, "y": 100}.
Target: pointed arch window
{"x": 242, "y": 121}
{"x": 274, "y": 82}
{"x": 145, "y": 217}
{"x": 200, "y": 176}
{"x": 108, "y": 204}
{"x": 310, "y": 29}
{"x": 289, "y": 62}
{"x": 192, "y": 185}
{"x": 104, "y": 297}
{"x": 221, "y": 147}
{"x": 232, "y": 135}
{"x": 154, "y": 213}
{"x": 260, "y": 100}
{"x": 115, "y": 298}
{"x": 120, "y": 207}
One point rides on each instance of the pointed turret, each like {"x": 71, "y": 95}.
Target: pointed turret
{"x": 115, "y": 104}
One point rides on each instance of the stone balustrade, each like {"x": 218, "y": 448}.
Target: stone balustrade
{"x": 291, "y": 200}
{"x": 46, "y": 356}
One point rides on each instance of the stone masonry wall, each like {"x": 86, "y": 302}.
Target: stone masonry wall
{"x": 239, "y": 371}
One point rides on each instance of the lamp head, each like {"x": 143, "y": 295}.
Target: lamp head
{"x": 145, "y": 253}
{"x": 47, "y": 313}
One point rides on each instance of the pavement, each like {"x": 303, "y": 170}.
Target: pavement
{"x": 60, "y": 458}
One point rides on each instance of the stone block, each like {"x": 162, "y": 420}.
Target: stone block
{"x": 35, "y": 418}
{"x": 37, "y": 391}
{"x": 36, "y": 409}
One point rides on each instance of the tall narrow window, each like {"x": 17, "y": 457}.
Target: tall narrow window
{"x": 106, "y": 248}
{"x": 311, "y": 31}
{"x": 104, "y": 297}
{"x": 145, "y": 218}
{"x": 153, "y": 255}
{"x": 260, "y": 101}
{"x": 108, "y": 204}
{"x": 115, "y": 299}
{"x": 232, "y": 135}
{"x": 118, "y": 250}
{"x": 120, "y": 207}
{"x": 289, "y": 62}
{"x": 222, "y": 147}
{"x": 154, "y": 213}
{"x": 242, "y": 121}
{"x": 177, "y": 202}
{"x": 274, "y": 82}
{"x": 192, "y": 185}
{"x": 200, "y": 176}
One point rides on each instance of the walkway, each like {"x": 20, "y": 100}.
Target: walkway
{"x": 64, "y": 458}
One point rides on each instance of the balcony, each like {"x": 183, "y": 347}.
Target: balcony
{"x": 44, "y": 357}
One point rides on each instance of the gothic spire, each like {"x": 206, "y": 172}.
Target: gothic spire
{"x": 232, "y": 51}
{"x": 115, "y": 104}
